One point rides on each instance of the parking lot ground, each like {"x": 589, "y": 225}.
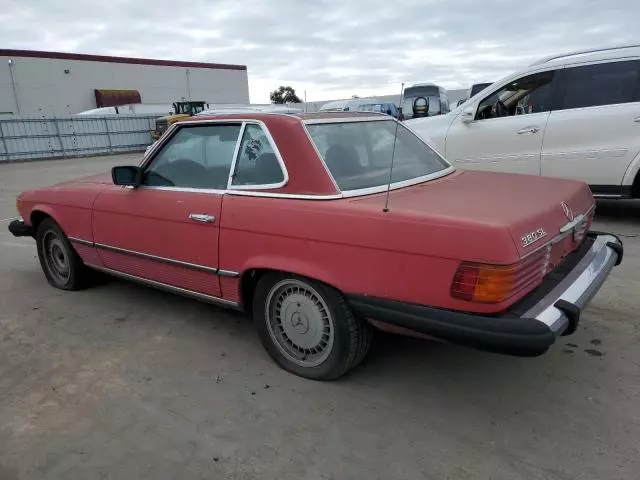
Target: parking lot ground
{"x": 125, "y": 382}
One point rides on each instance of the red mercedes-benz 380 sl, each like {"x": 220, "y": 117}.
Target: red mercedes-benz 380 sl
{"x": 324, "y": 225}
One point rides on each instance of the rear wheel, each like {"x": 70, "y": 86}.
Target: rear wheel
{"x": 60, "y": 263}
{"x": 308, "y": 328}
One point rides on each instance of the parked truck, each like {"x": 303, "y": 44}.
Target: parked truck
{"x": 181, "y": 110}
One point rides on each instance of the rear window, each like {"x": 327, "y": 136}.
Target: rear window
{"x": 358, "y": 154}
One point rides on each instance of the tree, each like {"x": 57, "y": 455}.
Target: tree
{"x": 284, "y": 94}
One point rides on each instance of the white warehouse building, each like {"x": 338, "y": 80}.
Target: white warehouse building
{"x": 54, "y": 83}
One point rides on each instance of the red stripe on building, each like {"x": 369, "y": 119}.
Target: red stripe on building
{"x": 110, "y": 59}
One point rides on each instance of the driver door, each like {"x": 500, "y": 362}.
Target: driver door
{"x": 167, "y": 229}
{"x": 507, "y": 137}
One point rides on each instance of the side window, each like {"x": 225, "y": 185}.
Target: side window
{"x": 257, "y": 163}
{"x": 601, "y": 84}
{"x": 195, "y": 157}
{"x": 530, "y": 94}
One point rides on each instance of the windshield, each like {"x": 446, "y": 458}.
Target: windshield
{"x": 358, "y": 154}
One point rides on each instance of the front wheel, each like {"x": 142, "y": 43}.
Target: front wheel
{"x": 308, "y": 328}
{"x": 59, "y": 261}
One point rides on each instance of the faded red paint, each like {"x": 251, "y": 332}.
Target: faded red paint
{"x": 409, "y": 253}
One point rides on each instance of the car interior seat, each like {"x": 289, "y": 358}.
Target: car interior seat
{"x": 267, "y": 169}
{"x": 342, "y": 160}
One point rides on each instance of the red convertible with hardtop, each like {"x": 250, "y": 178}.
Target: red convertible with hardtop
{"x": 325, "y": 226}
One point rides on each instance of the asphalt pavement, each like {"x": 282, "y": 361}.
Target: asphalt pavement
{"x": 125, "y": 382}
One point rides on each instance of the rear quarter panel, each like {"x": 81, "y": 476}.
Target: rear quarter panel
{"x": 356, "y": 250}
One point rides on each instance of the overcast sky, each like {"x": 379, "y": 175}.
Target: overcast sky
{"x": 330, "y": 48}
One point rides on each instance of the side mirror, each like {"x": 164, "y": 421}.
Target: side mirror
{"x": 467, "y": 115}
{"x": 129, "y": 176}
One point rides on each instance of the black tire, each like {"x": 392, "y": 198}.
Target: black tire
{"x": 75, "y": 274}
{"x": 350, "y": 338}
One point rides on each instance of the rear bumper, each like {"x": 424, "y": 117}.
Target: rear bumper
{"x": 530, "y": 333}
{"x": 19, "y": 229}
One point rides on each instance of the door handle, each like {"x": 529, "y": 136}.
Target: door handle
{"x": 201, "y": 217}
{"x": 528, "y": 130}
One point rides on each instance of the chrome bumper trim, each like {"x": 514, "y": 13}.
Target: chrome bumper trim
{"x": 579, "y": 286}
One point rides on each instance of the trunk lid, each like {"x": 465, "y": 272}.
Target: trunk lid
{"x": 533, "y": 209}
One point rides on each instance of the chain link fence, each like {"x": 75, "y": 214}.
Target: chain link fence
{"x": 30, "y": 138}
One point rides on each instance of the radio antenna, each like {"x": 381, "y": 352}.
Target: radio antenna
{"x": 393, "y": 155}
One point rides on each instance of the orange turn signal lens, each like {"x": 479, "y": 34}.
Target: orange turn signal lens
{"x": 484, "y": 283}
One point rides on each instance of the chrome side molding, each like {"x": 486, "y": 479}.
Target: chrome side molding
{"x": 168, "y": 261}
{"x": 168, "y": 288}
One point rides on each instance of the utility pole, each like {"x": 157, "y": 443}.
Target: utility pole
{"x": 188, "y": 85}
{"x": 14, "y": 88}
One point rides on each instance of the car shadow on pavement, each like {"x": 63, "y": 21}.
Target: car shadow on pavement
{"x": 412, "y": 364}
{"x": 395, "y": 365}
{"x": 618, "y": 211}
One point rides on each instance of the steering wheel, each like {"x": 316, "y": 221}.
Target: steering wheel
{"x": 501, "y": 109}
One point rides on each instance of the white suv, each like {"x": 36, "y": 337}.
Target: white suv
{"x": 572, "y": 116}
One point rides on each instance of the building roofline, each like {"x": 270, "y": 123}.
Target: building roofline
{"x": 111, "y": 59}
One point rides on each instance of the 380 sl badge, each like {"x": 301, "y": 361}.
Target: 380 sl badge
{"x": 532, "y": 237}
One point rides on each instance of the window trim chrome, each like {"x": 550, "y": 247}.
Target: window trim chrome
{"x": 298, "y": 196}
{"x": 236, "y": 150}
{"x": 397, "y": 185}
{"x": 276, "y": 151}
{"x": 172, "y": 132}
{"x": 254, "y": 190}
{"x": 211, "y": 191}
{"x": 320, "y": 158}
{"x": 384, "y": 187}
{"x": 174, "y": 128}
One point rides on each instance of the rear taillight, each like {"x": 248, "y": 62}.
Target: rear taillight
{"x": 485, "y": 283}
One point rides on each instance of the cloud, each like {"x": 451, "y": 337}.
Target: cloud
{"x": 331, "y": 48}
